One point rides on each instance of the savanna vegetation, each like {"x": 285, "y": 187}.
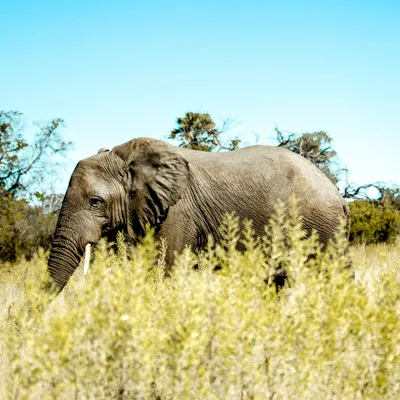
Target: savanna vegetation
{"x": 125, "y": 332}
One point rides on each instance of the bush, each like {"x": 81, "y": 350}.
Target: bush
{"x": 374, "y": 222}
{"x": 23, "y": 228}
{"x": 123, "y": 331}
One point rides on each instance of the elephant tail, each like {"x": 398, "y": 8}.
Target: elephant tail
{"x": 347, "y": 214}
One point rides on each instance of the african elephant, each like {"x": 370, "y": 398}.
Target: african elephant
{"x": 184, "y": 194}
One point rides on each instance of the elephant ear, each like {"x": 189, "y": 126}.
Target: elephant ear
{"x": 156, "y": 177}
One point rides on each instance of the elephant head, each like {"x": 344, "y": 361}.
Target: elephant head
{"x": 126, "y": 188}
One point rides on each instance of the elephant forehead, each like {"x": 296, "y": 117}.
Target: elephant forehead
{"x": 89, "y": 184}
{"x": 98, "y": 184}
{"x": 104, "y": 163}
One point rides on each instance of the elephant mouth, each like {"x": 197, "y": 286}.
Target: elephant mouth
{"x": 109, "y": 232}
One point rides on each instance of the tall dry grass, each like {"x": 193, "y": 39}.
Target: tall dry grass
{"x": 125, "y": 332}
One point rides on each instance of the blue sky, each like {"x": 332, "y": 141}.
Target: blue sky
{"x": 115, "y": 70}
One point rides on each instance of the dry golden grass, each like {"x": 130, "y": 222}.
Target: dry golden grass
{"x": 125, "y": 332}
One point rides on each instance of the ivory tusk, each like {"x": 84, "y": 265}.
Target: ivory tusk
{"x": 87, "y": 259}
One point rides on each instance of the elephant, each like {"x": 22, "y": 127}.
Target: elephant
{"x": 184, "y": 194}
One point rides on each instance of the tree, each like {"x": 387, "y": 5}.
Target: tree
{"x": 20, "y": 160}
{"x": 315, "y": 147}
{"x": 51, "y": 203}
{"x": 25, "y": 227}
{"x": 361, "y": 192}
{"x": 198, "y": 131}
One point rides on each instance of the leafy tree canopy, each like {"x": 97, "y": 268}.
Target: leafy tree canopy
{"x": 21, "y": 163}
{"x": 315, "y": 147}
{"x": 197, "y": 131}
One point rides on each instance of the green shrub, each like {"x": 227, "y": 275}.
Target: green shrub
{"x": 374, "y": 222}
{"x": 23, "y": 229}
{"x": 125, "y": 332}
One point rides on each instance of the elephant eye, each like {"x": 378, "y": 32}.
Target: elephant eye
{"x": 96, "y": 202}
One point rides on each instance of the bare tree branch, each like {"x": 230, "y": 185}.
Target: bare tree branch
{"x": 360, "y": 192}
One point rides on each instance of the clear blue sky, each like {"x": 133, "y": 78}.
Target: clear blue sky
{"x": 115, "y": 70}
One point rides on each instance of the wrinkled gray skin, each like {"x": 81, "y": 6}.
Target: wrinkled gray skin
{"x": 184, "y": 194}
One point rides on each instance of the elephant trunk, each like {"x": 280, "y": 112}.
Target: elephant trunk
{"x": 66, "y": 253}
